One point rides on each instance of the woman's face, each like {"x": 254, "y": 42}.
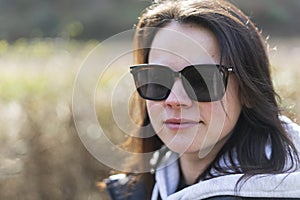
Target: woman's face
{"x": 185, "y": 125}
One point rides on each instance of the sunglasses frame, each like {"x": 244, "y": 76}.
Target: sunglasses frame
{"x": 222, "y": 68}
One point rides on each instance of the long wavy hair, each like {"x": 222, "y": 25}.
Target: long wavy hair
{"x": 242, "y": 46}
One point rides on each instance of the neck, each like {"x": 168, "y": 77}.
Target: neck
{"x": 192, "y": 167}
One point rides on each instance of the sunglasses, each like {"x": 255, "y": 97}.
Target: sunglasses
{"x": 202, "y": 83}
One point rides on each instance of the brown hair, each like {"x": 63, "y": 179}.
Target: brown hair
{"x": 242, "y": 46}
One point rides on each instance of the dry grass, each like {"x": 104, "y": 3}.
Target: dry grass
{"x": 286, "y": 73}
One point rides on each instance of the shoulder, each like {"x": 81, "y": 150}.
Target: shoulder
{"x": 281, "y": 186}
{"x": 292, "y": 129}
{"x": 289, "y": 125}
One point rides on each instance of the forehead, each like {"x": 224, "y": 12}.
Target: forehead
{"x": 184, "y": 44}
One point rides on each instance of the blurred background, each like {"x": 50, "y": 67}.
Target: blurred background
{"x": 42, "y": 45}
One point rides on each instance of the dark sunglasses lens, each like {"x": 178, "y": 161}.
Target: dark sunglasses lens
{"x": 204, "y": 83}
{"x": 153, "y": 83}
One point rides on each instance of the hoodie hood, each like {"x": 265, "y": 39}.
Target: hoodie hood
{"x": 267, "y": 186}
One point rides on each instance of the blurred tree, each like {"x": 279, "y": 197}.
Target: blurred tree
{"x": 99, "y": 19}
{"x": 274, "y": 17}
{"x": 59, "y": 18}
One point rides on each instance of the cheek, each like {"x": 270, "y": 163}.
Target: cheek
{"x": 214, "y": 117}
{"x": 206, "y": 110}
{"x": 155, "y": 112}
{"x": 221, "y": 116}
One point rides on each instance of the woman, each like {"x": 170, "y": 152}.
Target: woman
{"x": 205, "y": 94}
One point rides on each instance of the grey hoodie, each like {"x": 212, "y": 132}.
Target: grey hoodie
{"x": 267, "y": 186}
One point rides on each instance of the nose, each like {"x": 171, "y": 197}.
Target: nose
{"x": 178, "y": 97}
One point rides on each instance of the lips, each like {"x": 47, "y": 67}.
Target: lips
{"x": 180, "y": 123}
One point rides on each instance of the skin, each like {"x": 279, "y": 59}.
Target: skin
{"x": 195, "y": 130}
